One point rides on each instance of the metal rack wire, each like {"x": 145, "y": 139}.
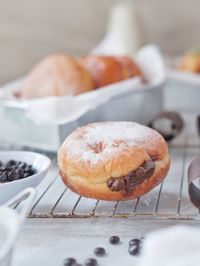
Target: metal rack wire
{"x": 167, "y": 201}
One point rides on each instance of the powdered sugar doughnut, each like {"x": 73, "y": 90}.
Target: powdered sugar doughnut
{"x": 113, "y": 160}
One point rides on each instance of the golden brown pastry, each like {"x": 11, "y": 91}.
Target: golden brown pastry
{"x": 56, "y": 75}
{"x": 130, "y": 68}
{"x": 113, "y": 160}
{"x": 104, "y": 69}
{"x": 191, "y": 61}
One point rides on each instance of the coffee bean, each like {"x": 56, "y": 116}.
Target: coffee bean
{"x": 22, "y": 165}
{"x": 8, "y": 168}
{"x": 11, "y": 163}
{"x": 26, "y": 175}
{"x": 11, "y": 175}
{"x": 99, "y": 251}
{"x": 30, "y": 172}
{"x": 91, "y": 262}
{"x": 69, "y": 262}
{"x": 2, "y": 168}
{"x": 14, "y": 170}
{"x": 28, "y": 168}
{"x": 3, "y": 177}
{"x": 114, "y": 240}
{"x": 134, "y": 250}
{"x": 18, "y": 163}
{"x": 134, "y": 242}
{"x": 20, "y": 172}
{"x": 16, "y": 176}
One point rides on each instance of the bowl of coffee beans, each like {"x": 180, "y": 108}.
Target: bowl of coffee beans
{"x": 19, "y": 170}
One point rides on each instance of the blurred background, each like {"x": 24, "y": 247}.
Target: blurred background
{"x": 30, "y": 30}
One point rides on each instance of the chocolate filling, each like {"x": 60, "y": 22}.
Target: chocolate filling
{"x": 127, "y": 183}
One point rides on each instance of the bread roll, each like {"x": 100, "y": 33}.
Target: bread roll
{"x": 56, "y": 75}
{"x": 191, "y": 61}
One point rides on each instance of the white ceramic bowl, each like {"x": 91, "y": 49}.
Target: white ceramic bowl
{"x": 39, "y": 162}
{"x": 10, "y": 221}
{"x": 9, "y": 227}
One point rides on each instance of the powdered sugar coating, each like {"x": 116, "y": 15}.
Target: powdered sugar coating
{"x": 101, "y": 141}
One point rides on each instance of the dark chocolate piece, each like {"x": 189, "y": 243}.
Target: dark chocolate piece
{"x": 154, "y": 157}
{"x": 115, "y": 184}
{"x": 140, "y": 172}
{"x": 126, "y": 184}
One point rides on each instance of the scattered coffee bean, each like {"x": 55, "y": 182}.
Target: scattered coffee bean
{"x": 14, "y": 170}
{"x": 134, "y": 242}
{"x": 69, "y": 262}
{"x": 91, "y": 262}
{"x": 134, "y": 250}
{"x": 99, "y": 251}
{"x": 114, "y": 240}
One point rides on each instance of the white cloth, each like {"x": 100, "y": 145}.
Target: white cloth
{"x": 64, "y": 109}
{"x": 174, "y": 246}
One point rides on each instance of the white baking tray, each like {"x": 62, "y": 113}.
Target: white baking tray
{"x": 127, "y": 100}
{"x": 181, "y": 85}
{"x": 10, "y": 222}
{"x": 181, "y": 77}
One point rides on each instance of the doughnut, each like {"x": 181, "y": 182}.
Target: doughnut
{"x": 113, "y": 160}
{"x": 56, "y": 75}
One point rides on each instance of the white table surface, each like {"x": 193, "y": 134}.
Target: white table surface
{"x": 50, "y": 241}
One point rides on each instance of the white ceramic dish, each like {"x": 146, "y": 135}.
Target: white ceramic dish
{"x": 9, "y": 227}
{"x": 10, "y": 222}
{"x": 178, "y": 76}
{"x": 186, "y": 78}
{"x": 40, "y": 162}
{"x": 181, "y": 84}
{"x": 27, "y": 123}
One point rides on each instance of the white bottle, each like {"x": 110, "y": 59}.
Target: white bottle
{"x": 124, "y": 32}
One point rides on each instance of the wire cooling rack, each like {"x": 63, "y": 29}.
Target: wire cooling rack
{"x": 169, "y": 200}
